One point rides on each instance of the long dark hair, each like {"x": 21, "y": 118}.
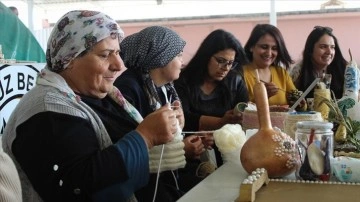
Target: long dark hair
{"x": 336, "y": 68}
{"x": 196, "y": 70}
{"x": 283, "y": 58}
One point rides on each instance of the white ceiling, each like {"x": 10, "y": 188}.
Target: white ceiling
{"x": 56, "y": 4}
{"x": 52, "y": 10}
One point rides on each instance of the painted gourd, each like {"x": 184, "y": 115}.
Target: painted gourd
{"x": 269, "y": 148}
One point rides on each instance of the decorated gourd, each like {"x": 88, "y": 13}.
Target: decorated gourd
{"x": 268, "y": 148}
{"x": 349, "y": 104}
{"x": 351, "y": 77}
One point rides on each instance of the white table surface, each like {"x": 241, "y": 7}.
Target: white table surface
{"x": 222, "y": 185}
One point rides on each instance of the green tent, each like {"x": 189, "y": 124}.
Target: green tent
{"x": 16, "y": 39}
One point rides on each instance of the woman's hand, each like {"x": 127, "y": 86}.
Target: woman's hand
{"x": 193, "y": 147}
{"x": 231, "y": 118}
{"x": 271, "y": 89}
{"x": 162, "y": 122}
{"x": 208, "y": 140}
{"x": 176, "y": 106}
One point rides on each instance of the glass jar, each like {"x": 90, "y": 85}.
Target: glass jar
{"x": 315, "y": 142}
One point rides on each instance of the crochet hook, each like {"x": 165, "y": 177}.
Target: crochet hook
{"x": 307, "y": 91}
{"x": 277, "y": 88}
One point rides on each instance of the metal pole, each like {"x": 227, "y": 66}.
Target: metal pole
{"x": 273, "y": 19}
{"x": 30, "y": 15}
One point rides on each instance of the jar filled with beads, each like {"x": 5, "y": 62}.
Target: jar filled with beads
{"x": 315, "y": 142}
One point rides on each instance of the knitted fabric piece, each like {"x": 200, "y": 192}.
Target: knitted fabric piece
{"x": 173, "y": 155}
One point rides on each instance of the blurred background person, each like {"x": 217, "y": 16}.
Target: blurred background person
{"x": 267, "y": 53}
{"x": 211, "y": 85}
{"x": 321, "y": 55}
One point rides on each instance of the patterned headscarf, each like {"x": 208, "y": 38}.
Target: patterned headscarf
{"x": 152, "y": 47}
{"x": 76, "y": 32}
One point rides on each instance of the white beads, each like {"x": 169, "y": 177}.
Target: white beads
{"x": 286, "y": 147}
{"x": 315, "y": 182}
{"x": 254, "y": 176}
{"x": 246, "y": 181}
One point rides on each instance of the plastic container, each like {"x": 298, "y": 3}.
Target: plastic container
{"x": 315, "y": 142}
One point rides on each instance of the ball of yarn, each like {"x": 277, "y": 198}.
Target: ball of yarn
{"x": 205, "y": 169}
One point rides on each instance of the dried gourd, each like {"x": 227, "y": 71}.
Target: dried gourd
{"x": 268, "y": 148}
{"x": 340, "y": 134}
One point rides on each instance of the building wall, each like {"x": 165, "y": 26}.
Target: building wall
{"x": 295, "y": 27}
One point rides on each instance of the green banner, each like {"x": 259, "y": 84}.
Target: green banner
{"x": 17, "y": 40}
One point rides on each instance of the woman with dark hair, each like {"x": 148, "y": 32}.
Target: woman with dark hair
{"x": 321, "y": 54}
{"x": 267, "y": 53}
{"x": 211, "y": 85}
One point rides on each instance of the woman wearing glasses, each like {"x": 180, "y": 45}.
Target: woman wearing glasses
{"x": 321, "y": 54}
{"x": 211, "y": 85}
{"x": 267, "y": 53}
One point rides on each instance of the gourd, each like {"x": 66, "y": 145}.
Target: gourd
{"x": 268, "y": 148}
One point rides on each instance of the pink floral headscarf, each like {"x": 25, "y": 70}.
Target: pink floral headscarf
{"x": 76, "y": 32}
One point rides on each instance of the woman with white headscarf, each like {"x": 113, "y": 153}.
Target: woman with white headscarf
{"x": 63, "y": 149}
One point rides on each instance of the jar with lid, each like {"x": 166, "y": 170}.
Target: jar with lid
{"x": 315, "y": 142}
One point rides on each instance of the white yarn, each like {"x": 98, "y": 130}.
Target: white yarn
{"x": 229, "y": 138}
{"x": 173, "y": 156}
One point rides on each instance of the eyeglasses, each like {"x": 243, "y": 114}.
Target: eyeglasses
{"x": 222, "y": 63}
{"x": 327, "y": 29}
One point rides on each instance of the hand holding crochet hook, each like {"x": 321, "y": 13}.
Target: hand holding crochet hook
{"x": 271, "y": 88}
{"x": 176, "y": 106}
{"x": 194, "y": 146}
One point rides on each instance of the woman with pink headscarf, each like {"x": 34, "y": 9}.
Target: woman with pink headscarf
{"x": 66, "y": 150}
